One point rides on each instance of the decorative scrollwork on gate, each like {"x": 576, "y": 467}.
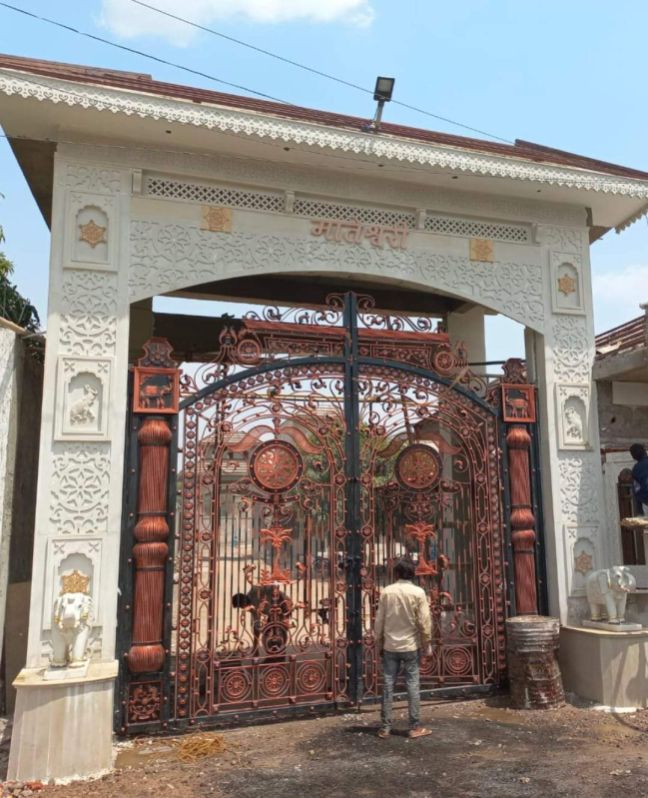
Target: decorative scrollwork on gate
{"x": 317, "y": 447}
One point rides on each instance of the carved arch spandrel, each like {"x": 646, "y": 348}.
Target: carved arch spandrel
{"x": 168, "y": 257}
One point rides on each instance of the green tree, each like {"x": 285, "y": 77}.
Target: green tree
{"x": 13, "y": 306}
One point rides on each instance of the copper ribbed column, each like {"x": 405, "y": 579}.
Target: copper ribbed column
{"x": 151, "y": 550}
{"x": 523, "y": 536}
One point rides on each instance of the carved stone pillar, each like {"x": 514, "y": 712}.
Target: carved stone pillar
{"x": 518, "y": 411}
{"x": 155, "y": 393}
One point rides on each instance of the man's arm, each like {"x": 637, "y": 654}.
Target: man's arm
{"x": 379, "y": 625}
{"x": 424, "y": 622}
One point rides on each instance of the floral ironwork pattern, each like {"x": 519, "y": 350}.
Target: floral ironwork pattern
{"x": 144, "y": 702}
{"x": 277, "y": 541}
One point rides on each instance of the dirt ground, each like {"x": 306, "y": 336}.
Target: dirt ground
{"x": 478, "y": 748}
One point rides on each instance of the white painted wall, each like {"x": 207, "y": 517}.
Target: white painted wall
{"x": 10, "y": 364}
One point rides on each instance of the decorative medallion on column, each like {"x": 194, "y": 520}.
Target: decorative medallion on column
{"x": 156, "y": 395}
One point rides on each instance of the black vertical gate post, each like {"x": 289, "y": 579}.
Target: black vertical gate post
{"x": 352, "y": 520}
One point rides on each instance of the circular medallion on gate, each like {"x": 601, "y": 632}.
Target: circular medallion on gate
{"x": 311, "y": 678}
{"x": 458, "y": 661}
{"x": 236, "y": 685}
{"x": 418, "y": 467}
{"x": 276, "y": 466}
{"x": 274, "y": 681}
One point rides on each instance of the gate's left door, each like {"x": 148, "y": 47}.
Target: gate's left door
{"x": 259, "y": 599}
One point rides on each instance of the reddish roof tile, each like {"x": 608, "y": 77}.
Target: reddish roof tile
{"x": 625, "y": 337}
{"x": 144, "y": 83}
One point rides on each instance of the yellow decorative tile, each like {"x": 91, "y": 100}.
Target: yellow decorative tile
{"x": 481, "y": 249}
{"x": 216, "y": 220}
{"x": 92, "y": 233}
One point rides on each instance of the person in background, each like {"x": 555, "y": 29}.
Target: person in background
{"x": 271, "y": 610}
{"x": 403, "y": 633}
{"x": 640, "y": 478}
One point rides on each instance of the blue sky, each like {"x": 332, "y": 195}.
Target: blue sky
{"x": 565, "y": 74}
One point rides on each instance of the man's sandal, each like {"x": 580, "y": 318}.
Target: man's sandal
{"x": 422, "y": 732}
{"x": 384, "y": 734}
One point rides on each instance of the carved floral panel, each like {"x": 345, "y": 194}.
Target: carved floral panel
{"x": 580, "y": 481}
{"x": 88, "y": 309}
{"x": 562, "y": 239}
{"x": 94, "y": 179}
{"x": 79, "y": 489}
{"x": 573, "y": 350}
{"x": 165, "y": 257}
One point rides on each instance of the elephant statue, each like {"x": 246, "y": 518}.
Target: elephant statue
{"x": 71, "y": 625}
{"x": 607, "y": 592}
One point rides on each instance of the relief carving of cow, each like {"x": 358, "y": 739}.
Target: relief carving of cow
{"x": 154, "y": 396}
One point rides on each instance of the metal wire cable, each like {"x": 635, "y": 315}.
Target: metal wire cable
{"x": 134, "y": 51}
{"x": 238, "y": 86}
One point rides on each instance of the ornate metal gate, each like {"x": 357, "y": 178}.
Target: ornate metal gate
{"x": 316, "y": 448}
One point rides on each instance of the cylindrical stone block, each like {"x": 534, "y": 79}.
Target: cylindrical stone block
{"x": 534, "y": 674}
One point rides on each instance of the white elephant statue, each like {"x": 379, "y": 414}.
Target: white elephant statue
{"x": 607, "y": 592}
{"x": 71, "y": 625}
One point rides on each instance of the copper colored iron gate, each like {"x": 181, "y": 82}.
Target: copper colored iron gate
{"x": 271, "y": 492}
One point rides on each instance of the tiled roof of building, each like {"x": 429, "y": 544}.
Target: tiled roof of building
{"x": 624, "y": 338}
{"x": 144, "y": 83}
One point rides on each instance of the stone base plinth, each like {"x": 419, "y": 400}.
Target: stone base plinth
{"x": 68, "y": 674}
{"x": 606, "y": 626}
{"x": 62, "y": 728}
{"x": 608, "y": 667}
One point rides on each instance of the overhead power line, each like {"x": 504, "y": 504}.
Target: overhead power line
{"x": 223, "y": 82}
{"x": 312, "y": 70}
{"x": 87, "y": 35}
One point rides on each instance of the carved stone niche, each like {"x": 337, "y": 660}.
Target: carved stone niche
{"x": 65, "y": 556}
{"x": 82, "y": 398}
{"x": 91, "y": 232}
{"x": 566, "y": 284}
{"x": 581, "y": 557}
{"x": 573, "y": 416}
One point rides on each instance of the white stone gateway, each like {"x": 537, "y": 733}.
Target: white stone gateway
{"x": 149, "y": 192}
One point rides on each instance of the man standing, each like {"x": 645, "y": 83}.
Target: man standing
{"x": 403, "y": 632}
{"x": 640, "y": 478}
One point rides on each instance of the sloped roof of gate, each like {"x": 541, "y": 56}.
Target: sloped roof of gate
{"x": 139, "y": 95}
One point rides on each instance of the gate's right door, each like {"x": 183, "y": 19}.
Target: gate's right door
{"x": 430, "y": 489}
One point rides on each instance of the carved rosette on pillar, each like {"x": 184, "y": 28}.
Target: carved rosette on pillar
{"x": 518, "y": 413}
{"x": 155, "y": 395}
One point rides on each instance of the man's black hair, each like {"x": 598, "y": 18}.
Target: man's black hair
{"x": 240, "y": 600}
{"x": 404, "y": 569}
{"x": 638, "y": 451}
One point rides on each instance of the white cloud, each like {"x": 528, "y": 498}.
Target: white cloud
{"x": 129, "y": 20}
{"x": 617, "y": 295}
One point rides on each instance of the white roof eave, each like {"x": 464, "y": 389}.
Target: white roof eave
{"x": 316, "y": 135}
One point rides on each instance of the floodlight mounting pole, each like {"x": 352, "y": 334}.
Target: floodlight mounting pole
{"x": 374, "y": 125}
{"x": 382, "y": 94}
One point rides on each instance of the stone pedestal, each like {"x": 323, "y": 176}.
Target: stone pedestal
{"x": 606, "y": 626}
{"x": 62, "y": 728}
{"x": 610, "y": 668}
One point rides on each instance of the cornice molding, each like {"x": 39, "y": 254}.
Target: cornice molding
{"x": 253, "y": 124}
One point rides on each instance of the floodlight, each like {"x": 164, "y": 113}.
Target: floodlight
{"x": 384, "y": 89}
